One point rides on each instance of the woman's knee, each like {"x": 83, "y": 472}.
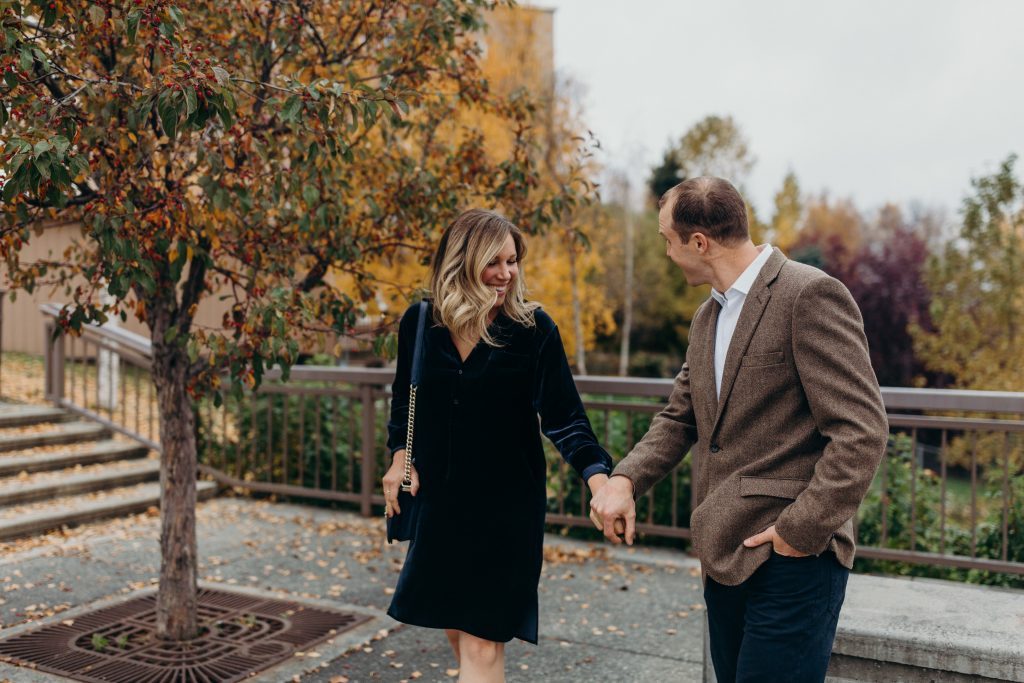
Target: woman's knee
{"x": 478, "y": 650}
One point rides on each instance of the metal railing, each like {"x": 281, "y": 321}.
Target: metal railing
{"x": 949, "y": 494}
{"x": 102, "y": 374}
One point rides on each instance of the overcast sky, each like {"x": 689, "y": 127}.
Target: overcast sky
{"x": 894, "y": 100}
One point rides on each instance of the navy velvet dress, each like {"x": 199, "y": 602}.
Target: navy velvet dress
{"x": 475, "y": 560}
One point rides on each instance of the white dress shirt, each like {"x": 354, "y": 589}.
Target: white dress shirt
{"x": 732, "y": 306}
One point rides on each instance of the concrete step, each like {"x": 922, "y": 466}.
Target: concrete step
{"x": 69, "y": 482}
{"x": 14, "y": 415}
{"x": 51, "y": 435}
{"x": 107, "y": 450}
{"x": 923, "y": 630}
{"x": 37, "y": 518}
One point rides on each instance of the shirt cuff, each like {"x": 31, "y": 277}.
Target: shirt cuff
{"x": 596, "y": 468}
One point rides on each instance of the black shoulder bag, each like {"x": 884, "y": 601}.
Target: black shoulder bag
{"x": 401, "y": 527}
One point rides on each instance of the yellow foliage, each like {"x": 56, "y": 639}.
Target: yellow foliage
{"x": 548, "y": 275}
{"x": 518, "y": 54}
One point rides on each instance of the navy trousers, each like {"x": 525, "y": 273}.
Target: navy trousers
{"x": 778, "y": 625}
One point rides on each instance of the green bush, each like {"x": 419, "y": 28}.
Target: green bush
{"x": 310, "y": 441}
{"x": 890, "y": 499}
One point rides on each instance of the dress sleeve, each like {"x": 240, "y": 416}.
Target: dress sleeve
{"x": 562, "y": 417}
{"x": 398, "y": 423}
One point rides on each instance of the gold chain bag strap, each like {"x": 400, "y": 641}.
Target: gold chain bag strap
{"x": 402, "y": 526}
{"x": 407, "y": 476}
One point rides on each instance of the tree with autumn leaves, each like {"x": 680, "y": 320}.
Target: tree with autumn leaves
{"x": 254, "y": 149}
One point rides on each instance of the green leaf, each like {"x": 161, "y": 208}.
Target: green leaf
{"x": 43, "y": 166}
{"x": 191, "y": 104}
{"x": 291, "y": 108}
{"x": 61, "y": 144}
{"x": 96, "y": 14}
{"x": 222, "y": 76}
{"x": 171, "y": 334}
{"x": 311, "y": 194}
{"x": 375, "y": 209}
{"x": 146, "y": 281}
{"x": 176, "y": 16}
{"x": 42, "y": 147}
{"x": 25, "y": 58}
{"x": 220, "y": 199}
{"x": 168, "y": 113}
{"x": 132, "y": 25}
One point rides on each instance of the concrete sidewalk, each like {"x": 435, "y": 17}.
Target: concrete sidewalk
{"x": 606, "y": 614}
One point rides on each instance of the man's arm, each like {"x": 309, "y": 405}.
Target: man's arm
{"x": 831, "y": 355}
{"x": 666, "y": 442}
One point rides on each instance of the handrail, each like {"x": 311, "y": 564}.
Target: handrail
{"x": 895, "y": 398}
{"x": 131, "y": 340}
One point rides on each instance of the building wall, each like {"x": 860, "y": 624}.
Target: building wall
{"x": 22, "y": 320}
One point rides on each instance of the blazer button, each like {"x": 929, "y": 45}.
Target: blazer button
{"x": 455, "y": 402}
{"x": 714, "y": 448}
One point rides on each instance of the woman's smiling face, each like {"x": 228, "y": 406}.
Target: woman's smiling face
{"x": 502, "y": 270}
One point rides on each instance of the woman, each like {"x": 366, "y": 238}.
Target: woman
{"x": 491, "y": 363}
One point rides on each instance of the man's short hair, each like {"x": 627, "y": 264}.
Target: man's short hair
{"x": 708, "y": 205}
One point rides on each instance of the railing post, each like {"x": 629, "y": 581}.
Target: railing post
{"x": 53, "y": 357}
{"x": 368, "y": 447}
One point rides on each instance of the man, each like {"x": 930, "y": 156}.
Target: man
{"x": 782, "y": 411}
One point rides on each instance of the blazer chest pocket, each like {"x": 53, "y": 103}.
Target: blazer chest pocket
{"x": 755, "y": 360}
{"x": 770, "y": 486}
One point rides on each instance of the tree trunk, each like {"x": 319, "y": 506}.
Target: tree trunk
{"x": 176, "y": 599}
{"x": 627, "y": 296}
{"x": 577, "y": 312}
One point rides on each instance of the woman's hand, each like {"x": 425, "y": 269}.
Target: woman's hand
{"x": 393, "y": 481}
{"x": 596, "y": 481}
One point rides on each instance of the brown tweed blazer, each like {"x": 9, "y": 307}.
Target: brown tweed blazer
{"x": 797, "y": 434}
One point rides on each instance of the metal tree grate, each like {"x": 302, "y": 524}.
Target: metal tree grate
{"x": 240, "y": 634}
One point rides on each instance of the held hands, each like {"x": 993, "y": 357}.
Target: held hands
{"x": 769, "y": 535}
{"x": 612, "y": 509}
{"x": 393, "y": 482}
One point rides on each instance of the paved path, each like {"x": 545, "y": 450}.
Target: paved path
{"x": 607, "y": 614}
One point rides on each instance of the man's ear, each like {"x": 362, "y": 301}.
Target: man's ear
{"x": 701, "y": 242}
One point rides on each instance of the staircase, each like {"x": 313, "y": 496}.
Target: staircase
{"x": 57, "y": 470}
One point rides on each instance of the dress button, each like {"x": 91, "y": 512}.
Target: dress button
{"x": 455, "y": 402}
{"x": 460, "y": 372}
{"x": 714, "y": 448}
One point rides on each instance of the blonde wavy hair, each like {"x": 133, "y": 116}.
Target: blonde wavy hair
{"x": 461, "y": 300}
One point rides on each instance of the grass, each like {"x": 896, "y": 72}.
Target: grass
{"x": 21, "y": 377}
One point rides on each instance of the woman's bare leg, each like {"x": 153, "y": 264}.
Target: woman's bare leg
{"x": 480, "y": 661}
{"x": 453, "y": 639}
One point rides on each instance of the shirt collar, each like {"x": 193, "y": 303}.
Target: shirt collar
{"x": 746, "y": 279}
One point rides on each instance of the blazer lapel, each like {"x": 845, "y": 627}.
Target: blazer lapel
{"x": 708, "y": 399}
{"x": 753, "y": 309}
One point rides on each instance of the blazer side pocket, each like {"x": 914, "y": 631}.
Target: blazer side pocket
{"x": 761, "y": 359}
{"x": 770, "y": 486}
